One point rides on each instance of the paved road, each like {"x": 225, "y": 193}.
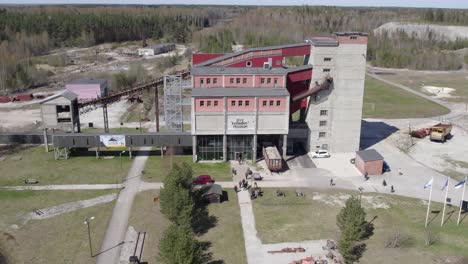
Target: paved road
{"x": 117, "y": 227}
{"x": 64, "y": 187}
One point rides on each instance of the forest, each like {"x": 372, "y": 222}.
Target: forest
{"x": 26, "y": 32}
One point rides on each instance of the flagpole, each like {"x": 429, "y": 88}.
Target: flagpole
{"x": 429, "y": 205}
{"x": 461, "y": 202}
{"x": 445, "y": 203}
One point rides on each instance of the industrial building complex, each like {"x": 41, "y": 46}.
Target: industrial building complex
{"x": 243, "y": 102}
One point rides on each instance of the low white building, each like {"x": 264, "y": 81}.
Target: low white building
{"x": 156, "y": 49}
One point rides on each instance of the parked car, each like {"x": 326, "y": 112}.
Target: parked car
{"x": 202, "y": 180}
{"x": 321, "y": 154}
{"x": 385, "y": 167}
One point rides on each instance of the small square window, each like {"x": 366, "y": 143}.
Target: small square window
{"x": 238, "y": 80}
{"x": 244, "y": 80}
{"x": 215, "y": 103}
{"x": 208, "y": 80}
{"x": 278, "y": 102}
{"x": 262, "y": 80}
{"x": 271, "y": 102}
{"x": 202, "y": 103}
{"x": 275, "y": 81}
{"x": 231, "y": 80}
{"x": 322, "y": 134}
{"x": 326, "y": 70}
{"x": 239, "y": 103}
{"x": 248, "y": 63}
{"x": 264, "y": 102}
{"x": 323, "y": 123}
{"x": 233, "y": 103}
{"x": 247, "y": 103}
{"x": 215, "y": 80}
{"x": 268, "y": 80}
{"x": 208, "y": 103}
{"x": 323, "y": 112}
{"x": 278, "y": 62}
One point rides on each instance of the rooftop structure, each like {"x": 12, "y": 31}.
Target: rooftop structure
{"x": 87, "y": 89}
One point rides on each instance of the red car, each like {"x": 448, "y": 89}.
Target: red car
{"x": 202, "y": 180}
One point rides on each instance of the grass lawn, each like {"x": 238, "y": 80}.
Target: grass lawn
{"x": 35, "y": 163}
{"x": 57, "y": 240}
{"x": 157, "y": 168}
{"x": 417, "y": 79}
{"x": 314, "y": 217}
{"x": 381, "y": 100}
{"x": 226, "y": 239}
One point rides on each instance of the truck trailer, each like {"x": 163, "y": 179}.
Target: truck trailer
{"x": 440, "y": 132}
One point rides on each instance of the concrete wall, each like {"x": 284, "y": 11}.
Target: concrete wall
{"x": 343, "y": 102}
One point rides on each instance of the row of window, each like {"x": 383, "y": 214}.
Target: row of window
{"x": 238, "y": 80}
{"x": 208, "y": 81}
{"x": 268, "y": 80}
{"x": 208, "y": 103}
{"x": 327, "y": 59}
{"x": 326, "y": 70}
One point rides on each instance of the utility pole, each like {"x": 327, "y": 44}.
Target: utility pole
{"x": 87, "y": 222}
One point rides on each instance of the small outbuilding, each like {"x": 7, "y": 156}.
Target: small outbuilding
{"x": 156, "y": 49}
{"x": 369, "y": 161}
{"x": 88, "y": 88}
{"x": 60, "y": 111}
{"x": 212, "y": 193}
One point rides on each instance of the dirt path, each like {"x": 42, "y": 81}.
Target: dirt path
{"x": 69, "y": 207}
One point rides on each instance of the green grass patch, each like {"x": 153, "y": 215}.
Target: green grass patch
{"x": 225, "y": 238}
{"x": 57, "y": 240}
{"x": 35, "y": 163}
{"x": 158, "y": 167}
{"x": 416, "y": 79}
{"x": 382, "y": 100}
{"x": 314, "y": 217}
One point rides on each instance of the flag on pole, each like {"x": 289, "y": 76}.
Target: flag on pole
{"x": 460, "y": 183}
{"x": 429, "y": 183}
{"x": 445, "y": 185}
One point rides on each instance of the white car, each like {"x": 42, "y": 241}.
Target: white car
{"x": 321, "y": 154}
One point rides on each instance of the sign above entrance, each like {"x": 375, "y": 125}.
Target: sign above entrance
{"x": 241, "y": 123}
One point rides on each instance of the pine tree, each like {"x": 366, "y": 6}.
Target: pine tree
{"x": 353, "y": 226}
{"x": 179, "y": 246}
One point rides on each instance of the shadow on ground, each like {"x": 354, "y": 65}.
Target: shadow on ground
{"x": 374, "y": 132}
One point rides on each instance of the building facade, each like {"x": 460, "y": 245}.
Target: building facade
{"x": 60, "y": 111}
{"x": 243, "y": 101}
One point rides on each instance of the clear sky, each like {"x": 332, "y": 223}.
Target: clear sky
{"x": 403, "y": 3}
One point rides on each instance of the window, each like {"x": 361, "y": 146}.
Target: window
{"x": 244, "y": 80}
{"x": 271, "y": 102}
{"x": 262, "y": 80}
{"x": 247, "y": 103}
{"x": 278, "y": 62}
{"x": 326, "y": 70}
{"x": 268, "y": 80}
{"x": 208, "y": 80}
{"x": 231, "y": 80}
{"x": 202, "y": 103}
{"x": 324, "y": 146}
{"x": 323, "y": 112}
{"x": 215, "y": 102}
{"x": 327, "y": 59}
{"x": 264, "y": 103}
{"x": 275, "y": 81}
{"x": 215, "y": 80}
{"x": 248, "y": 64}
{"x": 322, "y": 134}
{"x": 239, "y": 103}
{"x": 238, "y": 80}
{"x": 278, "y": 102}
{"x": 201, "y": 81}
{"x": 208, "y": 103}
{"x": 353, "y": 37}
{"x": 323, "y": 123}
{"x": 233, "y": 103}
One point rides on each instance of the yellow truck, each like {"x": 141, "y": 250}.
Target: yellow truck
{"x": 440, "y": 132}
